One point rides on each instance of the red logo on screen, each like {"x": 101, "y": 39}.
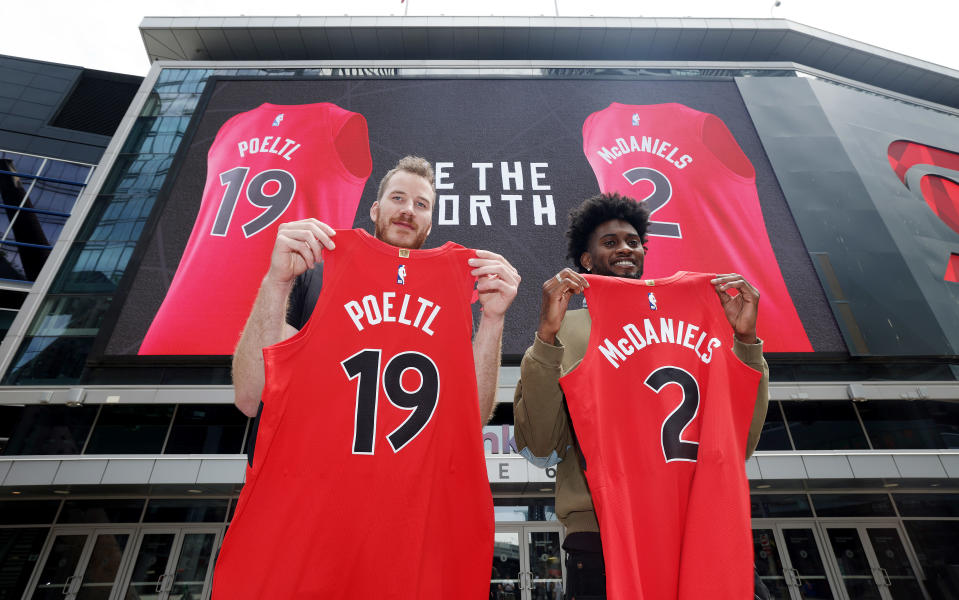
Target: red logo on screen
{"x": 933, "y": 175}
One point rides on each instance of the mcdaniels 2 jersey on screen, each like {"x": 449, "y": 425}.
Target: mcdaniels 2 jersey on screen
{"x": 701, "y": 190}
{"x": 267, "y": 166}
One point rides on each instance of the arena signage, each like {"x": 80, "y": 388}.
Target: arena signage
{"x": 512, "y": 157}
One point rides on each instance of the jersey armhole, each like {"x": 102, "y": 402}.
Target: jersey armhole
{"x": 350, "y": 138}
{"x": 459, "y": 257}
{"x": 724, "y": 148}
{"x": 331, "y": 277}
{"x": 592, "y": 338}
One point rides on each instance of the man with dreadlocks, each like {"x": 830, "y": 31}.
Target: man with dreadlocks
{"x": 608, "y": 237}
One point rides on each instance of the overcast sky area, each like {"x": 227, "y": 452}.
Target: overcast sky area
{"x": 104, "y": 34}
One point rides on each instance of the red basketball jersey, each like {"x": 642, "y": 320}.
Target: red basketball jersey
{"x": 661, "y": 408}
{"x": 267, "y": 166}
{"x": 369, "y": 478}
{"x": 701, "y": 191}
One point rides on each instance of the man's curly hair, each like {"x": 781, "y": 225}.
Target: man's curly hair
{"x": 593, "y": 212}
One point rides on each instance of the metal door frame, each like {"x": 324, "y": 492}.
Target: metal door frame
{"x": 517, "y": 528}
{"x": 522, "y": 528}
{"x": 178, "y": 531}
{"x": 825, "y": 553}
{"x": 536, "y": 526}
{"x": 91, "y": 532}
{"x": 861, "y": 525}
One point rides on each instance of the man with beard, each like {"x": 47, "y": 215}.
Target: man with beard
{"x": 607, "y": 236}
{"x": 402, "y": 216}
{"x": 336, "y": 389}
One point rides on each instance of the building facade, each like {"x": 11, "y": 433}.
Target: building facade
{"x": 120, "y": 472}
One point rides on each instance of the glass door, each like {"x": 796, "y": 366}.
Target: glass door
{"x": 193, "y": 573}
{"x": 769, "y": 562}
{"x": 173, "y": 564}
{"x": 81, "y": 564}
{"x": 544, "y": 554}
{"x": 507, "y": 567}
{"x": 806, "y": 573}
{"x": 527, "y": 563}
{"x": 873, "y": 561}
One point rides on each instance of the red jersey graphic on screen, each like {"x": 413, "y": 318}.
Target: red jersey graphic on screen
{"x": 267, "y": 166}
{"x": 701, "y": 190}
{"x": 369, "y": 478}
{"x": 662, "y": 407}
{"x": 932, "y": 174}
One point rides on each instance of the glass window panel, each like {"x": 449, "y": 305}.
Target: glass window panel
{"x": 51, "y": 430}
{"x": 193, "y": 564}
{"x": 505, "y": 574}
{"x": 911, "y": 424}
{"x": 927, "y": 505}
{"x": 511, "y": 514}
{"x": 103, "y": 564}
{"x": 85, "y": 269}
{"x": 13, "y": 189}
{"x": 6, "y": 321}
{"x": 11, "y": 266}
{"x": 186, "y": 511}
{"x": 938, "y": 553}
{"x": 28, "y": 512}
{"x": 27, "y": 228}
{"x": 824, "y": 425}
{"x": 774, "y": 436}
{"x": 58, "y": 169}
{"x": 138, "y": 173}
{"x": 12, "y": 299}
{"x": 70, "y": 316}
{"x": 529, "y": 509}
{"x": 157, "y": 135}
{"x": 19, "y": 551}
{"x": 101, "y": 511}
{"x": 49, "y": 195}
{"x": 151, "y": 563}
{"x": 9, "y": 417}
{"x": 853, "y": 505}
{"x": 21, "y": 163}
{"x": 62, "y": 560}
{"x": 768, "y": 563}
{"x": 49, "y": 360}
{"x": 767, "y": 506}
{"x": 889, "y": 551}
{"x": 206, "y": 429}
{"x": 132, "y": 429}
{"x": 52, "y": 225}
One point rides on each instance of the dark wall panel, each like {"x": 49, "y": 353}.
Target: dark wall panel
{"x": 880, "y": 251}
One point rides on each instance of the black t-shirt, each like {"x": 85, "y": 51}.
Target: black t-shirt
{"x": 303, "y": 297}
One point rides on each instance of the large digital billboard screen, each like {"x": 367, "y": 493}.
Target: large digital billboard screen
{"x": 512, "y": 157}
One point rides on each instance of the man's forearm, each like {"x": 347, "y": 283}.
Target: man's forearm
{"x": 265, "y": 327}
{"x": 487, "y": 345}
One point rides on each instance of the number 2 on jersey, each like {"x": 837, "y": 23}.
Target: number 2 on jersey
{"x": 658, "y": 198}
{"x": 275, "y": 203}
{"x": 674, "y": 446}
{"x": 365, "y": 365}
